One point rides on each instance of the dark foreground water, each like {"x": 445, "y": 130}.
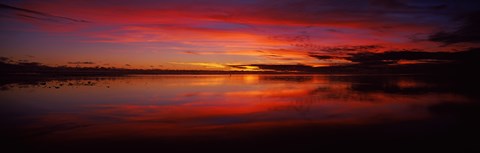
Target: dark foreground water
{"x": 240, "y": 113}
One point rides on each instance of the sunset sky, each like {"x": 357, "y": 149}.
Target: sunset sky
{"x": 230, "y": 34}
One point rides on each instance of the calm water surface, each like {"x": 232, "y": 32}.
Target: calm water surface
{"x": 172, "y": 110}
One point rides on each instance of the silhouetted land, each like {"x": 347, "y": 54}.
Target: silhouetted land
{"x": 37, "y": 69}
{"x": 457, "y": 63}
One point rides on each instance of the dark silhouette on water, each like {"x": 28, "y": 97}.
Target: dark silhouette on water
{"x": 364, "y": 63}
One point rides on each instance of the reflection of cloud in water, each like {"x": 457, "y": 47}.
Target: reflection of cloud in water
{"x": 188, "y": 105}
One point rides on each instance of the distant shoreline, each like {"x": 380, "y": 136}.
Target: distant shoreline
{"x": 39, "y": 70}
{"x": 99, "y": 74}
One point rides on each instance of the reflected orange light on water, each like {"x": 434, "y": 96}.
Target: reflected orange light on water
{"x": 152, "y": 106}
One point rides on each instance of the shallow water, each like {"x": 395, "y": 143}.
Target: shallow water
{"x": 186, "y": 109}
